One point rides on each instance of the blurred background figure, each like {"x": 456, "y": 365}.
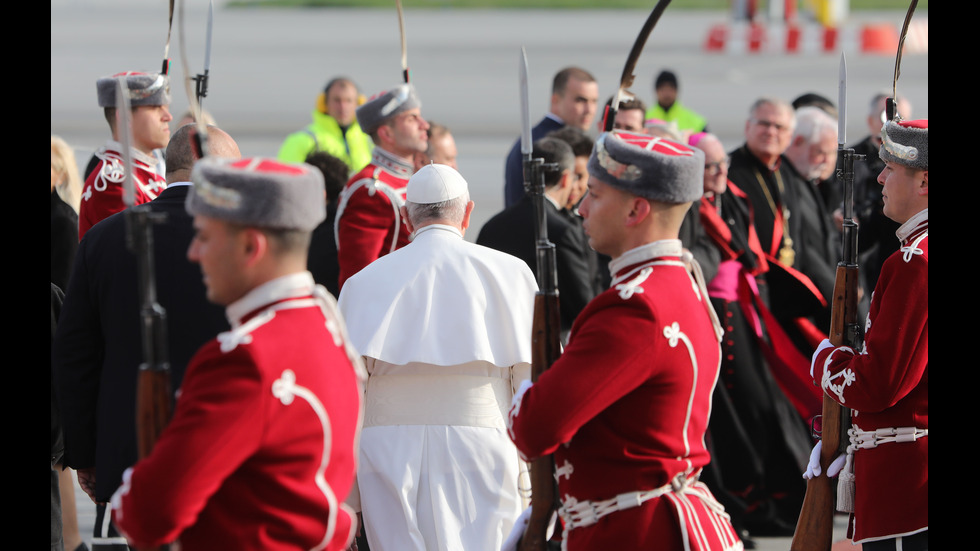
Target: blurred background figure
{"x": 66, "y": 188}
{"x": 334, "y": 128}
{"x": 630, "y": 115}
{"x": 668, "y": 108}
{"x": 441, "y": 149}
{"x": 574, "y": 100}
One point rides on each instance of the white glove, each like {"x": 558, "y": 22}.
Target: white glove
{"x": 813, "y": 467}
{"x": 510, "y": 544}
{"x": 823, "y": 345}
{"x": 517, "y": 532}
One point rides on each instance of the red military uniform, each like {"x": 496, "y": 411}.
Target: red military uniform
{"x": 261, "y": 451}
{"x": 103, "y": 192}
{"x": 369, "y": 224}
{"x": 625, "y": 408}
{"x": 886, "y": 385}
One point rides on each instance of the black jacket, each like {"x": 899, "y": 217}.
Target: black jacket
{"x": 64, "y": 240}
{"x": 513, "y": 231}
{"x": 98, "y": 349}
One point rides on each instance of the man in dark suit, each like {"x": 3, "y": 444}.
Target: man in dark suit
{"x": 574, "y": 100}
{"x": 98, "y": 348}
{"x": 513, "y": 231}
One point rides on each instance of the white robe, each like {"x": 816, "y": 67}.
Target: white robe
{"x": 444, "y": 326}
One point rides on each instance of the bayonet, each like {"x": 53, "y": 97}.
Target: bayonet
{"x": 842, "y": 102}
{"x": 891, "y": 104}
{"x": 123, "y": 110}
{"x": 200, "y": 138}
{"x": 626, "y": 80}
{"x": 525, "y": 108}
{"x": 201, "y": 80}
{"x": 401, "y": 29}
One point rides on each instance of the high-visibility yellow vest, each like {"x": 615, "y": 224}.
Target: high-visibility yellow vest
{"x": 325, "y": 134}
{"x": 684, "y": 117}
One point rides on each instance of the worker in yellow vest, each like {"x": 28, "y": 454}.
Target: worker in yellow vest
{"x": 334, "y": 129}
{"x": 668, "y": 109}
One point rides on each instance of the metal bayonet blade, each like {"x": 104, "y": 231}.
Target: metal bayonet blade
{"x": 842, "y": 102}
{"x": 207, "y": 44}
{"x": 122, "y": 108}
{"x": 525, "y": 112}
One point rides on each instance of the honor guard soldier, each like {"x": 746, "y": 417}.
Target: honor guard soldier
{"x": 149, "y": 99}
{"x": 886, "y": 383}
{"x": 625, "y": 408}
{"x": 369, "y": 224}
{"x": 261, "y": 450}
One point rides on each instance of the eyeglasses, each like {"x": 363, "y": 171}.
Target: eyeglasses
{"x": 770, "y": 124}
{"x": 716, "y": 168}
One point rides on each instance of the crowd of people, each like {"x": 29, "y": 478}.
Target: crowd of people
{"x": 347, "y": 371}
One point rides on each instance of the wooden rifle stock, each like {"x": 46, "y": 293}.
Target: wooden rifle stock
{"x": 546, "y": 343}
{"x": 153, "y": 392}
{"x": 814, "y": 530}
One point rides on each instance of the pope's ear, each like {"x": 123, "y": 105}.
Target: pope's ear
{"x": 408, "y": 223}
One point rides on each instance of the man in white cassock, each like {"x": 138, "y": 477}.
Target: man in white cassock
{"x": 444, "y": 326}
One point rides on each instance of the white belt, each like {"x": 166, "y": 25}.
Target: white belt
{"x": 577, "y": 514}
{"x": 437, "y": 395}
{"x": 865, "y": 439}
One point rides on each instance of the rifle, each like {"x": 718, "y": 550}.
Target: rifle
{"x": 153, "y": 391}
{"x": 545, "y": 328}
{"x": 153, "y": 398}
{"x": 814, "y": 531}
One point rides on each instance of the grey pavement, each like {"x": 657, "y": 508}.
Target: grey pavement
{"x": 268, "y": 64}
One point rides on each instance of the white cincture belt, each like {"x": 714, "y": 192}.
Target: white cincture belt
{"x": 577, "y": 514}
{"x": 476, "y": 394}
{"x": 865, "y": 439}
